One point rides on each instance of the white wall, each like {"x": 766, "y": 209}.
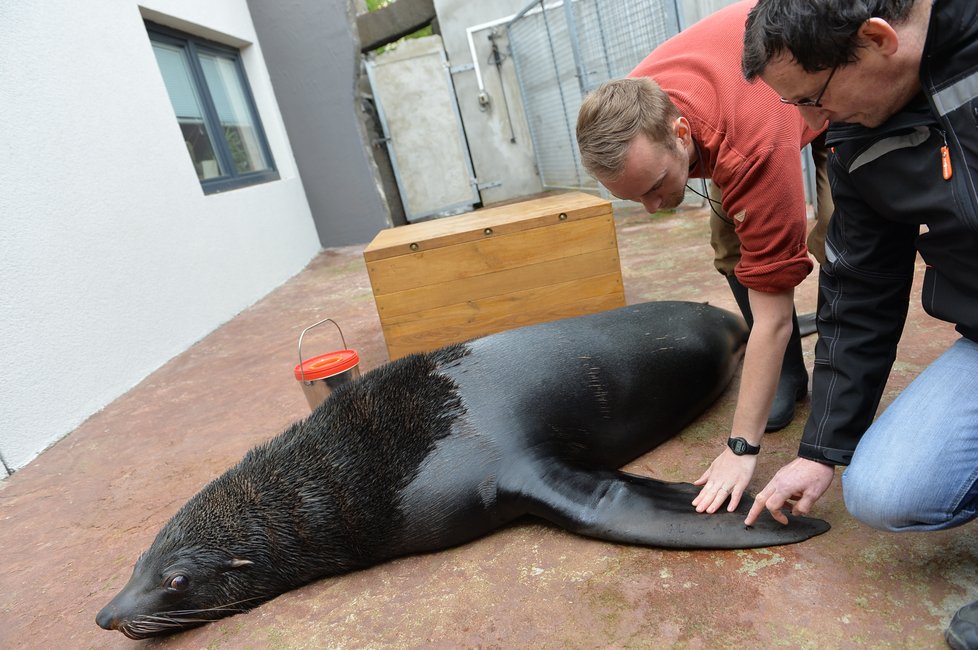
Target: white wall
{"x": 112, "y": 260}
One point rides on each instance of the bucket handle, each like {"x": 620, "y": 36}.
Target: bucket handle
{"x": 302, "y": 371}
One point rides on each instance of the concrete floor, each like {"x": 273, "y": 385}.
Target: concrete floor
{"x": 75, "y": 519}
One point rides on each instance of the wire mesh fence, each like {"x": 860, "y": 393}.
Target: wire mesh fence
{"x": 564, "y": 49}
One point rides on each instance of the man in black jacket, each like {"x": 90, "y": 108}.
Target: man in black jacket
{"x": 898, "y": 81}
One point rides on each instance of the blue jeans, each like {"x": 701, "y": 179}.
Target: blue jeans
{"x": 916, "y": 468}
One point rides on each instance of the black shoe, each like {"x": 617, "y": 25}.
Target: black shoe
{"x": 793, "y": 382}
{"x": 739, "y": 292}
{"x": 792, "y": 387}
{"x": 962, "y": 633}
{"x": 806, "y": 324}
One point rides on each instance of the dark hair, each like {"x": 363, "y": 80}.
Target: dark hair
{"x": 818, "y": 34}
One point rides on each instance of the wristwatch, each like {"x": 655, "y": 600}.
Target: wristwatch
{"x": 741, "y": 447}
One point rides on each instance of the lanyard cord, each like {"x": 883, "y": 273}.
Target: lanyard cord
{"x": 711, "y": 201}
{"x": 699, "y": 157}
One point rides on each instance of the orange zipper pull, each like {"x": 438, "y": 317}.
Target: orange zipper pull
{"x": 946, "y": 163}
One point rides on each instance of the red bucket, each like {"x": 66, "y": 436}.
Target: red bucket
{"x": 319, "y": 376}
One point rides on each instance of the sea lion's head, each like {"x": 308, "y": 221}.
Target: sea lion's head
{"x": 196, "y": 570}
{"x": 167, "y": 595}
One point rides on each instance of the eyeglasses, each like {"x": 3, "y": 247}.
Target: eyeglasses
{"x": 811, "y": 103}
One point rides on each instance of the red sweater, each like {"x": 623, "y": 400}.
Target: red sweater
{"x": 748, "y": 142}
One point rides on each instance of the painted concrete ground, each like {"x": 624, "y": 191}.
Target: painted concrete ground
{"x": 75, "y": 519}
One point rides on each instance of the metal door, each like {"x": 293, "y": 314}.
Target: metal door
{"x": 417, "y": 109}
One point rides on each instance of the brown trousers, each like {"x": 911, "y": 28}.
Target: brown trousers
{"x": 724, "y": 239}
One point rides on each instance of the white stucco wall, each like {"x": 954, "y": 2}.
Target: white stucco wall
{"x": 112, "y": 260}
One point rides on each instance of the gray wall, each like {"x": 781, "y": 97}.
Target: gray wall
{"x": 312, "y": 53}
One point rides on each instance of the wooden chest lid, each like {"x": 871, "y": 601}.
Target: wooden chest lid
{"x": 475, "y": 226}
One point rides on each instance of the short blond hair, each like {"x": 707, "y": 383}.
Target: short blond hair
{"x": 613, "y": 114}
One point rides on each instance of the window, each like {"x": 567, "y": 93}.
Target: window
{"x": 215, "y": 110}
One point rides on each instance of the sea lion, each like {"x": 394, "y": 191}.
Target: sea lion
{"x": 439, "y": 448}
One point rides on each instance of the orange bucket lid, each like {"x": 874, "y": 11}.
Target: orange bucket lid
{"x": 326, "y": 365}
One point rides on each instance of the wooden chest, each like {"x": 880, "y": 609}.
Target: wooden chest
{"x": 452, "y": 279}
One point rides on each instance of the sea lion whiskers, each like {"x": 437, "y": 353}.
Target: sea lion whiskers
{"x": 148, "y": 625}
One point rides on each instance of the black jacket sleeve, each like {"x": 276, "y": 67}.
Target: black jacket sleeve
{"x": 864, "y": 292}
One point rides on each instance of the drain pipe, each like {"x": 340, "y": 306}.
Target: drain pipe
{"x": 497, "y": 59}
{"x": 469, "y": 35}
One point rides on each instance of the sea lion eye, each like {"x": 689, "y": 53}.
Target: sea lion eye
{"x": 178, "y": 582}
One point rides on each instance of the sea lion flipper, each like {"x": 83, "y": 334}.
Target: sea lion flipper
{"x": 631, "y": 509}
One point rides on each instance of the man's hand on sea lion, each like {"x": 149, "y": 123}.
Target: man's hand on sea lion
{"x": 801, "y": 481}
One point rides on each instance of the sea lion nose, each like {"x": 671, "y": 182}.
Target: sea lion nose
{"x": 107, "y": 619}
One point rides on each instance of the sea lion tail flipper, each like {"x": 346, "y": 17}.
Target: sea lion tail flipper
{"x": 622, "y": 507}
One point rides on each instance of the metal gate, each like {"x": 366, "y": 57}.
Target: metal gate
{"x": 565, "y": 49}
{"x": 418, "y": 112}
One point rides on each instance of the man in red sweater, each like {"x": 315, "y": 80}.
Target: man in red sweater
{"x": 686, "y": 111}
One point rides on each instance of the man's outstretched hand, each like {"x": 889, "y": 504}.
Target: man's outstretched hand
{"x": 800, "y": 484}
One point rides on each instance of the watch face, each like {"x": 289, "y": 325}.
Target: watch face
{"x": 739, "y": 446}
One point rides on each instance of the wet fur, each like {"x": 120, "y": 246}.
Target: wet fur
{"x": 307, "y": 494}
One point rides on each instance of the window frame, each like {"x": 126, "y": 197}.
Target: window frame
{"x": 192, "y": 45}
